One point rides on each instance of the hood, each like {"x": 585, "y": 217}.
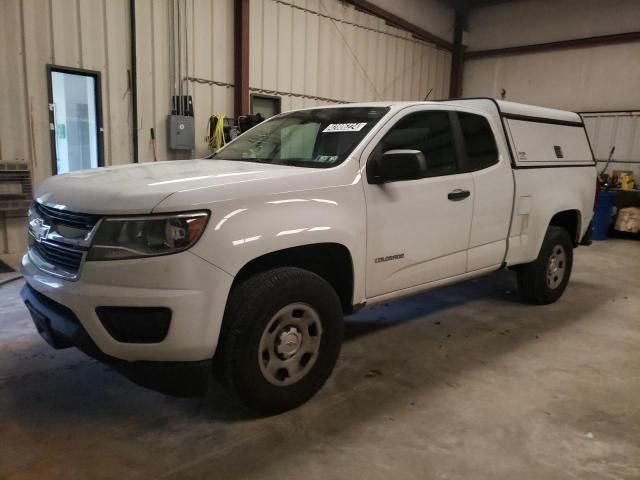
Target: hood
{"x": 138, "y": 188}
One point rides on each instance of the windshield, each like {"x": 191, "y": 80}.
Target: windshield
{"x": 319, "y": 138}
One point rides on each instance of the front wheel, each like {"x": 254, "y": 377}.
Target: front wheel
{"x": 544, "y": 280}
{"x": 281, "y": 338}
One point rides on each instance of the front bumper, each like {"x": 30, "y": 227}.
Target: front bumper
{"x": 194, "y": 290}
{"x": 59, "y": 326}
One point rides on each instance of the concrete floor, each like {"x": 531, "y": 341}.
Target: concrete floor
{"x": 463, "y": 382}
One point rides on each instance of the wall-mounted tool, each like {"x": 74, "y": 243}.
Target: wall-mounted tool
{"x": 248, "y": 121}
{"x": 153, "y": 144}
{"x": 220, "y": 130}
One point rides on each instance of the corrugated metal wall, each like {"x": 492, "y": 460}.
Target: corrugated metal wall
{"x": 596, "y": 78}
{"x": 580, "y": 79}
{"x": 210, "y": 47}
{"x": 88, "y": 34}
{"x": 615, "y": 129}
{"x": 300, "y": 49}
{"x": 328, "y": 49}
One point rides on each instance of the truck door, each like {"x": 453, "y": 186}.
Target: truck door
{"x": 489, "y": 165}
{"x": 418, "y": 228}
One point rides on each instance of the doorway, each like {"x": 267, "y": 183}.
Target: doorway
{"x": 75, "y": 119}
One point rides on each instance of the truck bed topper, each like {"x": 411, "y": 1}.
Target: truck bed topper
{"x": 538, "y": 137}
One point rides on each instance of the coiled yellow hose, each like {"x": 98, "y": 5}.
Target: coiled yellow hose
{"x": 215, "y": 140}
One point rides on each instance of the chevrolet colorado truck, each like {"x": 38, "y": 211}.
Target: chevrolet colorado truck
{"x": 243, "y": 265}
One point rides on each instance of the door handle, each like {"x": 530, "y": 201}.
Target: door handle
{"x": 458, "y": 194}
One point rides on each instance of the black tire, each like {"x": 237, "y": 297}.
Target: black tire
{"x": 537, "y": 283}
{"x": 251, "y": 307}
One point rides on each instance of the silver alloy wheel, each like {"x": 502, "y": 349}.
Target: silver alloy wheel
{"x": 290, "y": 344}
{"x": 556, "y": 267}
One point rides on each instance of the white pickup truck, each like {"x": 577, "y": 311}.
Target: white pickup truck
{"x": 244, "y": 264}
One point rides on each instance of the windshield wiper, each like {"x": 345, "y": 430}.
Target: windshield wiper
{"x": 251, "y": 160}
{"x": 304, "y": 163}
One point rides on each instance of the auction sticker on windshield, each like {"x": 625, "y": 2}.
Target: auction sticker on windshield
{"x": 344, "y": 127}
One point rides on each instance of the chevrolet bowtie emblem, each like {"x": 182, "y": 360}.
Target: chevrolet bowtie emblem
{"x": 39, "y": 229}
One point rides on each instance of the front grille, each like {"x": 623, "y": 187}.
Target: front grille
{"x": 71, "y": 219}
{"x": 68, "y": 259}
{"x": 59, "y": 239}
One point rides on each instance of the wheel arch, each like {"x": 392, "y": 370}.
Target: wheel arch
{"x": 571, "y": 221}
{"x": 331, "y": 261}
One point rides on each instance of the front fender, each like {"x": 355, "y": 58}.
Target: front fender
{"x": 244, "y": 229}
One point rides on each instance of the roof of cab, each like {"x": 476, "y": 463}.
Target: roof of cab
{"x": 485, "y": 104}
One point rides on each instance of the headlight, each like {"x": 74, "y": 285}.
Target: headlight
{"x": 135, "y": 237}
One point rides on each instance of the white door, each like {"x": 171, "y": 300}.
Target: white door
{"x": 418, "y": 229}
{"x": 493, "y": 190}
{"x": 75, "y": 119}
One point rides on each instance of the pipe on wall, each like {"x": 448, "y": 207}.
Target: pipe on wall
{"x": 457, "y": 57}
{"x": 134, "y": 79}
{"x": 559, "y": 45}
{"x": 241, "y": 57}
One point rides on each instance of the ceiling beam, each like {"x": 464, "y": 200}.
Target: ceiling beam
{"x": 467, "y": 6}
{"x": 394, "y": 20}
{"x": 559, "y": 45}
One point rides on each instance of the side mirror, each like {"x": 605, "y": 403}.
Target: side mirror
{"x": 397, "y": 165}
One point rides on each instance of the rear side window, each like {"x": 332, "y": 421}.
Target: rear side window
{"x": 479, "y": 142}
{"x": 431, "y": 133}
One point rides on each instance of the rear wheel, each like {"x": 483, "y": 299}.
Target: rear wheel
{"x": 281, "y": 338}
{"x": 544, "y": 280}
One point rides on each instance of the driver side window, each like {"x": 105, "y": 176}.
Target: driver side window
{"x": 428, "y": 132}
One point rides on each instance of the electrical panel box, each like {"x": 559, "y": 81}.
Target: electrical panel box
{"x": 181, "y": 133}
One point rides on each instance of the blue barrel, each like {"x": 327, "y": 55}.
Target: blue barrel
{"x": 602, "y": 215}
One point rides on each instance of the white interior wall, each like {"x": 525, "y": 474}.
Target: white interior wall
{"x": 87, "y": 34}
{"x": 603, "y": 78}
{"x": 615, "y": 129}
{"x": 527, "y": 22}
{"x": 599, "y": 78}
{"x": 291, "y": 50}
{"x": 329, "y": 49}
{"x": 209, "y": 46}
{"x": 580, "y": 79}
{"x": 434, "y": 16}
